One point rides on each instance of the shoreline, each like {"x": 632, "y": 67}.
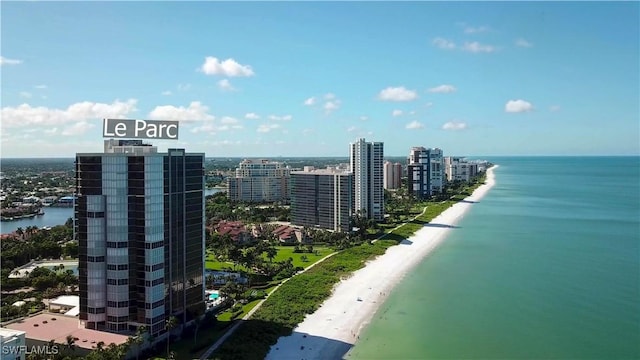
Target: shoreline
{"x": 333, "y": 329}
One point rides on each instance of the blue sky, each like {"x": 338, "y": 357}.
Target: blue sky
{"x": 305, "y": 79}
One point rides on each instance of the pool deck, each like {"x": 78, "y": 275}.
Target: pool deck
{"x": 27, "y": 268}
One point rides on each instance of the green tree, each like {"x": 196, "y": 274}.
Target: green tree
{"x": 70, "y": 344}
{"x": 170, "y": 324}
{"x": 271, "y": 253}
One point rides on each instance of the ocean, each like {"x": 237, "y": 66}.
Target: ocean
{"x": 545, "y": 266}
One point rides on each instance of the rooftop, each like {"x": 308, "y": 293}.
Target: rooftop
{"x": 49, "y": 329}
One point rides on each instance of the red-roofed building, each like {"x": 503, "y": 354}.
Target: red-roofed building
{"x": 236, "y": 229}
{"x": 288, "y": 235}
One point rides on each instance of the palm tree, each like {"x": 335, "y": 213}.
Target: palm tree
{"x": 19, "y": 232}
{"x": 139, "y": 339}
{"x": 271, "y": 253}
{"x": 71, "y": 343}
{"x": 171, "y": 323}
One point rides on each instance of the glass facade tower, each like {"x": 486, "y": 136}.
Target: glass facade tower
{"x": 140, "y": 230}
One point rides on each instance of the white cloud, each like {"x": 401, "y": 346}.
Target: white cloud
{"x": 280, "y": 118}
{"x": 307, "y": 131}
{"x": 265, "y": 128}
{"x": 195, "y": 111}
{"x": 40, "y": 86}
{"x": 229, "y": 67}
{"x": 523, "y": 43}
{"x": 51, "y": 131}
{"x": 206, "y": 127}
{"x": 228, "y": 120}
{"x": 397, "y": 94}
{"x": 225, "y": 85}
{"x": 396, "y": 113}
{"x": 252, "y": 116}
{"x": 5, "y": 61}
{"x": 475, "y": 30}
{"x": 554, "y": 108}
{"x": 184, "y": 87}
{"x": 25, "y": 94}
{"x": 329, "y": 96}
{"x": 331, "y": 106}
{"x": 166, "y": 93}
{"x": 78, "y": 128}
{"x": 454, "y": 125}
{"x": 476, "y": 47}
{"x": 25, "y": 115}
{"x": 444, "y": 43}
{"x": 516, "y": 106}
{"x": 352, "y": 129}
{"x": 310, "y": 101}
{"x": 443, "y": 89}
{"x": 428, "y": 105}
{"x": 414, "y": 125}
{"x": 363, "y": 118}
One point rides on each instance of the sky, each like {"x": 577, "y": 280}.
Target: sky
{"x": 267, "y": 79}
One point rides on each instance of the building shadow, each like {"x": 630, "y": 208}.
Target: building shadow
{"x": 468, "y": 201}
{"x": 441, "y": 226}
{"x": 406, "y": 242}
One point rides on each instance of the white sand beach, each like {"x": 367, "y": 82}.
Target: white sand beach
{"x": 332, "y": 330}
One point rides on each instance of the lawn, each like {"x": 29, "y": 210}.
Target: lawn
{"x": 284, "y": 252}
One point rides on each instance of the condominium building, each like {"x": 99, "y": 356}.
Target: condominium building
{"x": 425, "y": 168}
{"x": 259, "y": 181}
{"x": 392, "y": 175}
{"x": 459, "y": 169}
{"x": 366, "y": 166}
{"x": 322, "y": 198}
{"x": 140, "y": 230}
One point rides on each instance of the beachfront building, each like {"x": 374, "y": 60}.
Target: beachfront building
{"x": 368, "y": 188}
{"x": 322, "y": 198}
{"x": 392, "y": 175}
{"x": 459, "y": 169}
{"x": 140, "y": 230}
{"x": 425, "y": 172}
{"x": 259, "y": 181}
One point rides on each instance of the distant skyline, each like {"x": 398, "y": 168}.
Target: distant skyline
{"x": 269, "y": 79}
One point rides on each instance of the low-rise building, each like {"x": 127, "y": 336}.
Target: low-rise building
{"x": 235, "y": 229}
{"x": 12, "y": 344}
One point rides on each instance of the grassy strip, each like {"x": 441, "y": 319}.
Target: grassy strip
{"x": 301, "y": 295}
{"x": 288, "y": 306}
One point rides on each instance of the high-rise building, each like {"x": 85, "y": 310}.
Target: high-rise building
{"x": 459, "y": 168}
{"x": 366, "y": 166}
{"x": 140, "y": 230}
{"x": 425, "y": 172}
{"x": 322, "y": 198}
{"x": 392, "y": 175}
{"x": 259, "y": 181}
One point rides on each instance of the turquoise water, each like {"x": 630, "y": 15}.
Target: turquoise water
{"x": 546, "y": 266}
{"x": 213, "y": 296}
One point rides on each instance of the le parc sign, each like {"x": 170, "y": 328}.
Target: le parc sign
{"x": 140, "y": 129}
